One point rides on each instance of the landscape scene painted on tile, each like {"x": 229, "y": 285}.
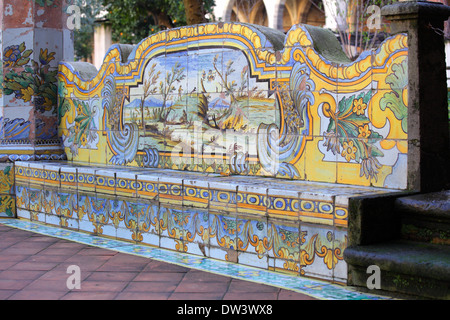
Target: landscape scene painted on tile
{"x": 236, "y": 99}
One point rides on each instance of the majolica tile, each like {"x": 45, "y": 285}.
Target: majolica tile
{"x": 68, "y": 178}
{"x": 52, "y": 175}
{"x": 283, "y": 244}
{"x": 84, "y": 207}
{"x": 197, "y": 227}
{"x": 223, "y": 196}
{"x": 327, "y": 172}
{"x": 317, "y": 254}
{"x": 251, "y": 241}
{"x": 340, "y": 266}
{"x": 251, "y": 199}
{"x": 283, "y": 203}
{"x": 35, "y": 199}
{"x": 147, "y": 186}
{"x": 86, "y": 179}
{"x": 196, "y": 193}
{"x": 316, "y": 208}
{"x": 36, "y": 173}
{"x": 105, "y": 181}
{"x": 117, "y": 212}
{"x": 148, "y": 224}
{"x": 341, "y": 210}
{"x": 22, "y": 173}
{"x": 170, "y": 190}
{"x": 53, "y": 220}
{"x": 7, "y": 206}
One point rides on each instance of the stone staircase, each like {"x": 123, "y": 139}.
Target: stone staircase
{"x": 416, "y": 261}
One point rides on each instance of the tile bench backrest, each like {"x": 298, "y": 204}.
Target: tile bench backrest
{"x": 231, "y": 98}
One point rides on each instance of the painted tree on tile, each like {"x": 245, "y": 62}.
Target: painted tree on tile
{"x": 149, "y": 88}
{"x": 168, "y": 87}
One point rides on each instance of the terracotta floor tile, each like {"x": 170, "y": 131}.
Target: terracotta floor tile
{"x": 102, "y": 286}
{"x": 196, "y": 296}
{"x": 48, "y": 258}
{"x": 39, "y": 271}
{"x": 292, "y": 295}
{"x": 5, "y": 294}
{"x": 34, "y": 265}
{"x": 37, "y": 295}
{"x": 94, "y": 251}
{"x": 77, "y": 295}
{"x": 26, "y": 250}
{"x": 22, "y": 275}
{"x": 159, "y": 276}
{"x": 246, "y": 286}
{"x": 112, "y": 276}
{"x": 4, "y": 265}
{"x": 147, "y": 286}
{"x": 48, "y": 285}
{"x": 136, "y": 295}
{"x": 118, "y": 266}
{"x": 14, "y": 284}
{"x": 6, "y": 243}
{"x": 59, "y": 251}
{"x": 189, "y": 286}
{"x": 61, "y": 275}
{"x": 13, "y": 257}
{"x": 86, "y": 263}
{"x": 157, "y": 266}
{"x": 251, "y": 296}
{"x": 205, "y": 276}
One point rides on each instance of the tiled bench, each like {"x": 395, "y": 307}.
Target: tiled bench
{"x": 281, "y": 225}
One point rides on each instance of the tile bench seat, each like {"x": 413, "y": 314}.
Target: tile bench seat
{"x": 276, "y": 224}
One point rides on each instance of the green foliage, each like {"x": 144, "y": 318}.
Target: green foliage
{"x": 130, "y": 20}
{"x": 84, "y": 37}
{"x": 134, "y": 20}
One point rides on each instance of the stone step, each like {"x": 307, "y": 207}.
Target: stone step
{"x": 406, "y": 267}
{"x": 425, "y": 217}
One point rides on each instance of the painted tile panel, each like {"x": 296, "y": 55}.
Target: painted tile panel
{"x": 223, "y": 102}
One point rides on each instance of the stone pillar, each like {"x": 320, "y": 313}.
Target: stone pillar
{"x": 34, "y": 38}
{"x": 428, "y": 131}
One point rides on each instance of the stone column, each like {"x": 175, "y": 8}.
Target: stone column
{"x": 428, "y": 131}
{"x": 34, "y": 38}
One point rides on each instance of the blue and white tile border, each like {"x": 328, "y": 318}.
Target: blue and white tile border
{"x": 314, "y": 288}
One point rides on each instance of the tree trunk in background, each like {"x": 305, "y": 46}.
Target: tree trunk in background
{"x": 194, "y": 11}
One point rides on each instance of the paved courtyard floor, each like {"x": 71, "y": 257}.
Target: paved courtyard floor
{"x": 37, "y": 261}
